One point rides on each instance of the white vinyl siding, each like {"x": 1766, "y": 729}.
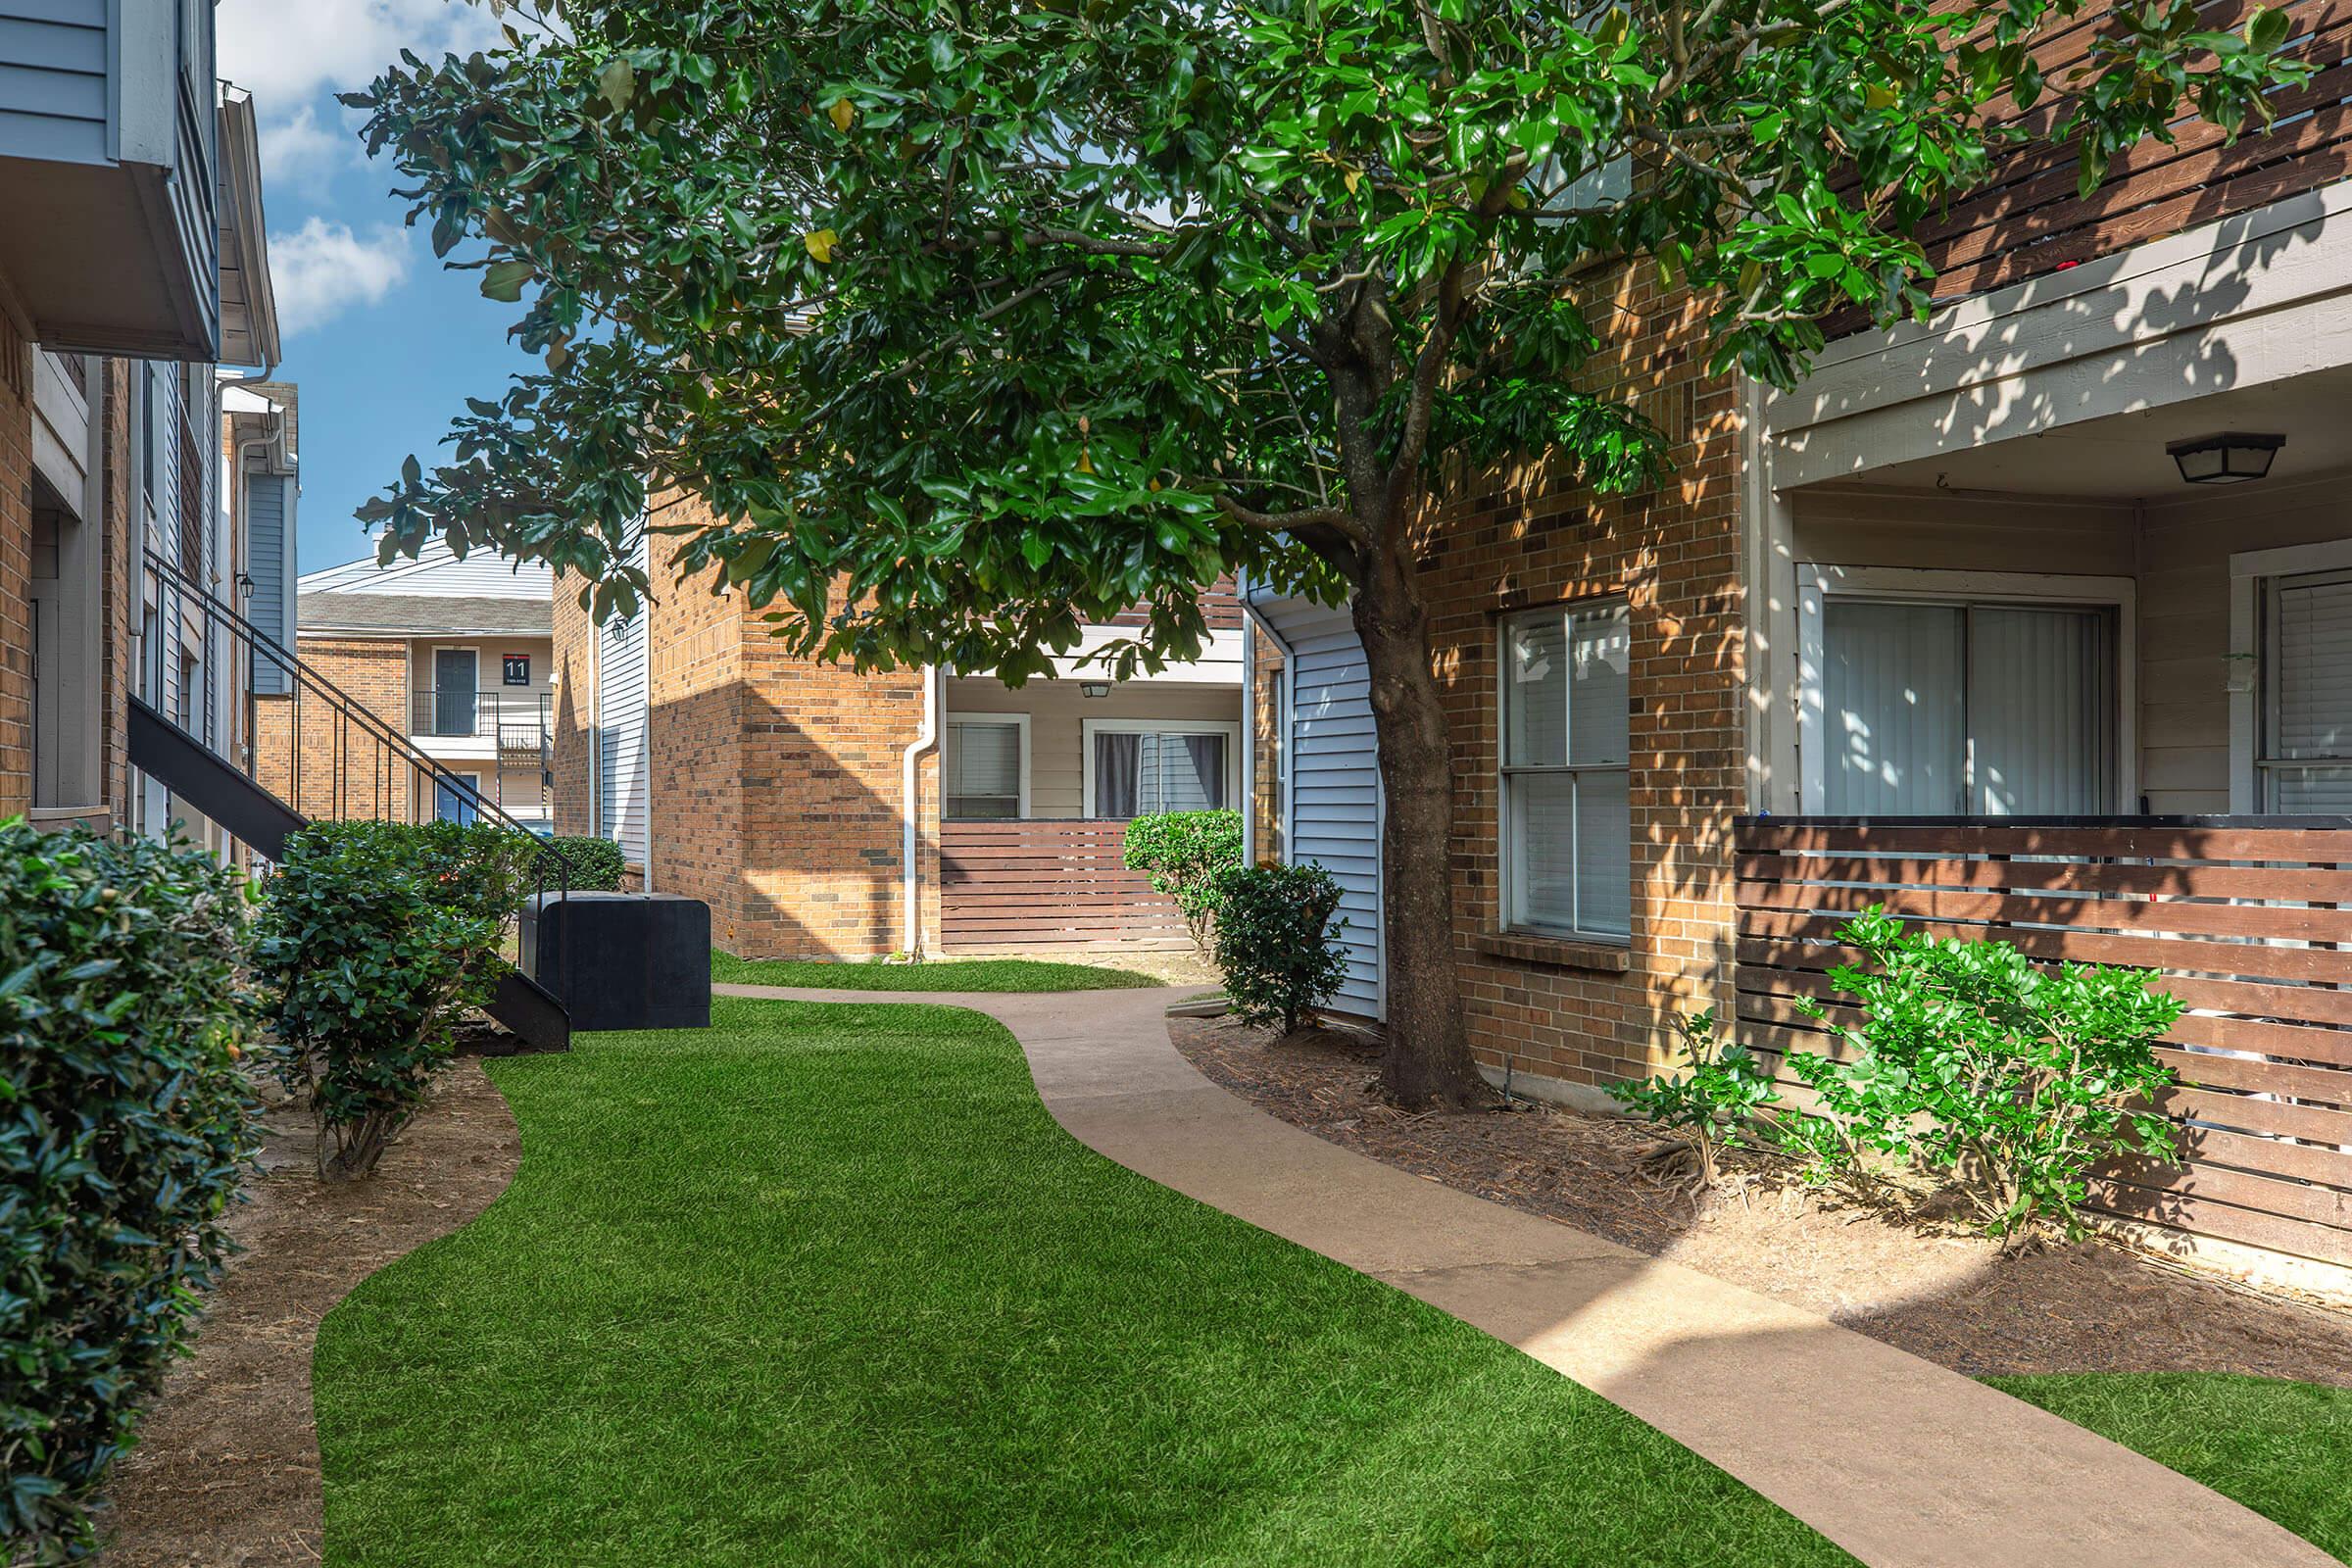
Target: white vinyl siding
{"x": 1975, "y": 709}
{"x": 1567, "y": 849}
{"x": 2306, "y": 761}
{"x": 621, "y": 762}
{"x": 1334, "y": 812}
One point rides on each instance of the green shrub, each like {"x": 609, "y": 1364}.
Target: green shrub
{"x": 124, "y": 1126}
{"x": 1713, "y": 1103}
{"x": 1188, "y": 855}
{"x": 596, "y": 863}
{"x": 374, "y": 942}
{"x": 1277, "y": 943}
{"x": 2005, "y": 1080}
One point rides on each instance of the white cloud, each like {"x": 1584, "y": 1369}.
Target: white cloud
{"x": 302, "y": 155}
{"x": 324, "y": 268}
{"x": 283, "y": 53}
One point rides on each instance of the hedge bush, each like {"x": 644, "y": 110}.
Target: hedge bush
{"x": 1276, "y": 943}
{"x": 375, "y": 940}
{"x": 596, "y": 863}
{"x": 1188, "y": 855}
{"x": 126, "y": 1124}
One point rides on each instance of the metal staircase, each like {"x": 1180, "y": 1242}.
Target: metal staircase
{"x": 371, "y": 771}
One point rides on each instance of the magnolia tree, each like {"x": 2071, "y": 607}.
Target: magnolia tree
{"x": 946, "y": 328}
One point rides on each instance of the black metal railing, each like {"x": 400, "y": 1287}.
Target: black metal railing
{"x": 519, "y": 720}
{"x": 321, "y": 751}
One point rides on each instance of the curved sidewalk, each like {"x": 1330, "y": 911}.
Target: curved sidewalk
{"x": 1901, "y": 1462}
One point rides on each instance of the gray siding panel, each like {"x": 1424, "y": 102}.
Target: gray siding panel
{"x": 266, "y": 553}
{"x": 1335, "y": 786}
{"x": 52, "y": 80}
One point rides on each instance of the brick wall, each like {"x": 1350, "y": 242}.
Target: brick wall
{"x": 1266, "y": 729}
{"x": 1527, "y": 536}
{"x": 576, "y": 690}
{"x": 337, "y": 773}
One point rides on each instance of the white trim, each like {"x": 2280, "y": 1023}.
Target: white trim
{"x": 1817, "y": 582}
{"x": 1088, "y": 728}
{"x": 2249, "y": 570}
{"x": 1506, "y": 855}
{"x": 949, "y": 725}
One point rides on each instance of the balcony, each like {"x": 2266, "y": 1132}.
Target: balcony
{"x": 110, "y": 175}
{"x": 519, "y": 723}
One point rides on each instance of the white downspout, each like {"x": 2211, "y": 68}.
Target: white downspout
{"x": 911, "y": 881}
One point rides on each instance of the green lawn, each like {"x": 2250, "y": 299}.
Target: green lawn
{"x": 828, "y": 1286}
{"x": 939, "y": 974}
{"x": 2284, "y": 1449}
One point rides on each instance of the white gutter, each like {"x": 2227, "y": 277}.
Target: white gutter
{"x": 926, "y": 738}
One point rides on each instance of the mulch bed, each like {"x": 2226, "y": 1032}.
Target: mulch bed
{"x": 226, "y": 1474}
{"x": 1947, "y": 1295}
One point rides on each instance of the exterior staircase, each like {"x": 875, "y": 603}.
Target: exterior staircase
{"x": 374, "y": 771}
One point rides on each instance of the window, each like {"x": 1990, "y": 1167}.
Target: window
{"x": 2305, "y": 764}
{"x": 1567, "y": 820}
{"x": 986, "y": 766}
{"x": 452, "y": 803}
{"x": 1139, "y": 767}
{"x": 1278, "y": 756}
{"x": 1976, "y": 708}
{"x": 518, "y": 669}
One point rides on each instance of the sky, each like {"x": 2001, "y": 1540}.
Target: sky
{"x": 385, "y": 344}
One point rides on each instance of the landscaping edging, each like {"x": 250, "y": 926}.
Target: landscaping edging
{"x": 226, "y": 1474}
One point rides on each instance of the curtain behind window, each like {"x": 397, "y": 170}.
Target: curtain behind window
{"x": 1118, "y": 767}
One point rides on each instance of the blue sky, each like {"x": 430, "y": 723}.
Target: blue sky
{"x": 385, "y": 344}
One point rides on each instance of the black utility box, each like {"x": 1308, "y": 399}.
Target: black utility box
{"x": 621, "y": 961}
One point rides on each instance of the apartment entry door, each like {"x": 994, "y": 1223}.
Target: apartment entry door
{"x": 456, "y": 674}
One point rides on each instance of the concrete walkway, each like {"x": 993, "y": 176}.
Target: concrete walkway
{"x": 1899, "y": 1461}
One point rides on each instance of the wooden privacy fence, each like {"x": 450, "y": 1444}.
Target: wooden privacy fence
{"x": 2248, "y": 918}
{"x": 1047, "y": 883}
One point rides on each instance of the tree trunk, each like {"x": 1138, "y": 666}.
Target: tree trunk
{"x": 1427, "y": 1058}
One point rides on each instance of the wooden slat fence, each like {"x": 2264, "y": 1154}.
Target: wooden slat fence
{"x": 1043, "y": 883}
{"x": 2248, "y": 918}
{"x": 2030, "y": 219}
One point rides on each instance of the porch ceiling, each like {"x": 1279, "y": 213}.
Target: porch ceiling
{"x": 2121, "y": 456}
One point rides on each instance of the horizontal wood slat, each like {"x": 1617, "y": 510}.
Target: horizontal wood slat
{"x": 2248, "y": 925}
{"x": 1045, "y": 882}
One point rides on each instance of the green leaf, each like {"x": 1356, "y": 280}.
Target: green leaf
{"x": 504, "y": 282}
{"x": 616, "y": 83}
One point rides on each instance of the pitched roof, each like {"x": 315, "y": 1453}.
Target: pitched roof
{"x": 395, "y": 613}
{"x": 437, "y": 572}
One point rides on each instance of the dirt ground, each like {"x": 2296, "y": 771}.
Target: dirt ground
{"x": 1949, "y": 1297}
{"x": 226, "y": 1474}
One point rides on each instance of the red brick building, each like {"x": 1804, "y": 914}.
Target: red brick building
{"x": 824, "y": 814}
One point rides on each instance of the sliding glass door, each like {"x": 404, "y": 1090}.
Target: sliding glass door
{"x": 1934, "y": 709}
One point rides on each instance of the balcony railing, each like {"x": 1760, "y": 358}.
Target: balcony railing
{"x": 519, "y": 721}
{"x": 2248, "y": 921}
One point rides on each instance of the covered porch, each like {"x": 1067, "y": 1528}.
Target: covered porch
{"x": 1038, "y": 782}
{"x": 2084, "y": 685}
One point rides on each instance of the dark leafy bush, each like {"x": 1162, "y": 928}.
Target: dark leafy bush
{"x": 124, "y": 1126}
{"x": 2004, "y": 1079}
{"x": 1996, "y": 1078}
{"x": 1277, "y": 943}
{"x": 374, "y": 941}
{"x": 1188, "y": 855}
{"x": 596, "y": 863}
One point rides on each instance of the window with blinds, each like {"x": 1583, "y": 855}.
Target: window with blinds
{"x": 1969, "y": 709}
{"x": 983, "y": 768}
{"x": 1567, "y": 817}
{"x": 2306, "y": 760}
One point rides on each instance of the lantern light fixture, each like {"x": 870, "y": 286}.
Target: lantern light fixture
{"x": 2235, "y": 456}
